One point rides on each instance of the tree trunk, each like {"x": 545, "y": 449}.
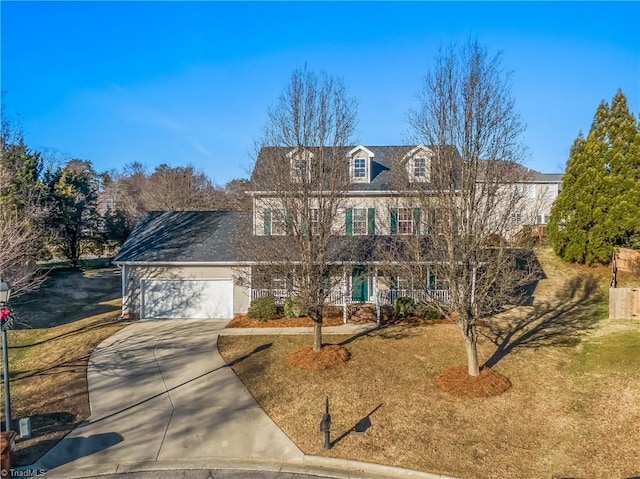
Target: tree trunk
{"x": 317, "y": 335}
{"x": 472, "y": 356}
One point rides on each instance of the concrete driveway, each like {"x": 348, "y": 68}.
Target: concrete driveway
{"x": 160, "y": 392}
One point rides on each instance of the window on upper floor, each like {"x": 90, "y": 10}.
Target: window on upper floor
{"x": 405, "y": 221}
{"x": 420, "y": 168}
{"x": 300, "y": 169}
{"x": 314, "y": 220}
{"x": 273, "y": 222}
{"x": 516, "y": 218}
{"x": 360, "y": 221}
{"x": 360, "y": 168}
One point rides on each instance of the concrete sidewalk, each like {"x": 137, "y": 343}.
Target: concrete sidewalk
{"x": 160, "y": 391}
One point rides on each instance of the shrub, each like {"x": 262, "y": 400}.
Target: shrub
{"x": 292, "y": 308}
{"x": 403, "y": 307}
{"x": 262, "y": 308}
{"x": 428, "y": 311}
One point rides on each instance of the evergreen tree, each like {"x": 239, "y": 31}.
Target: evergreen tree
{"x": 73, "y": 201}
{"x": 21, "y": 172}
{"x": 599, "y": 205}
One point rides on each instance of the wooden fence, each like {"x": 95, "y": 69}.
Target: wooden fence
{"x": 624, "y": 303}
{"x": 628, "y": 260}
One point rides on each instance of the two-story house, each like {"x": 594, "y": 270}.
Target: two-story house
{"x": 211, "y": 264}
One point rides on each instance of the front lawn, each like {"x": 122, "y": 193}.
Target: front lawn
{"x": 60, "y": 327}
{"x": 572, "y": 411}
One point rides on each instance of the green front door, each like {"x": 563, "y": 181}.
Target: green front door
{"x": 359, "y": 285}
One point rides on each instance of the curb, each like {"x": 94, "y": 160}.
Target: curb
{"x": 314, "y": 465}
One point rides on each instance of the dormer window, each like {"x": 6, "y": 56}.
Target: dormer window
{"x": 300, "y": 165}
{"x": 420, "y": 168}
{"x": 360, "y": 168}
{"x": 360, "y": 164}
{"x": 418, "y": 164}
{"x": 299, "y": 168}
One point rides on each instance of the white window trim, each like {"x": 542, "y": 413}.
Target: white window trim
{"x": 294, "y": 158}
{"x": 365, "y": 222}
{"x": 426, "y": 177}
{"x": 420, "y": 151}
{"x": 410, "y": 222}
{"x": 360, "y": 152}
{"x": 278, "y": 217}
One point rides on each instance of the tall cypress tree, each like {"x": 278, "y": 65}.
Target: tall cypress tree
{"x": 599, "y": 205}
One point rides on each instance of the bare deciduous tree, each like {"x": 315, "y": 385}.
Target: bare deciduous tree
{"x": 180, "y": 189}
{"x": 299, "y": 181}
{"x": 473, "y": 193}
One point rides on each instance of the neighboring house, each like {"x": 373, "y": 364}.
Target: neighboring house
{"x": 540, "y": 191}
{"x": 194, "y": 264}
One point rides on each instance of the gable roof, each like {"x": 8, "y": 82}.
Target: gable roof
{"x": 186, "y": 236}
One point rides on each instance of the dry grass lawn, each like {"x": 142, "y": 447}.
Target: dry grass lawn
{"x": 48, "y": 363}
{"x": 572, "y": 411}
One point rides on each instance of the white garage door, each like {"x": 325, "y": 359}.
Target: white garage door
{"x": 198, "y": 299}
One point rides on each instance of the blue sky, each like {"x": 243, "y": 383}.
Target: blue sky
{"x": 190, "y": 82}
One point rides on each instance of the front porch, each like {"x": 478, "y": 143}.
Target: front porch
{"x": 384, "y": 297}
{"x": 357, "y": 284}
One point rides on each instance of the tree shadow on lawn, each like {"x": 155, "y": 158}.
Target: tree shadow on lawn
{"x": 560, "y": 321}
{"x": 68, "y": 295}
{"x": 83, "y": 329}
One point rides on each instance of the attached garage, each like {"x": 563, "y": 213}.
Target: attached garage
{"x": 187, "y": 298}
{"x": 185, "y": 264}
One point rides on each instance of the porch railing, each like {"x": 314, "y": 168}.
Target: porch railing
{"x": 385, "y": 296}
{"x": 388, "y": 296}
{"x": 280, "y": 295}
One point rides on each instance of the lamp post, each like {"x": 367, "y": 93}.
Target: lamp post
{"x": 5, "y": 294}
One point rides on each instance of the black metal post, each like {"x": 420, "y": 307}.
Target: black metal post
{"x": 325, "y": 425}
{"x": 5, "y": 371}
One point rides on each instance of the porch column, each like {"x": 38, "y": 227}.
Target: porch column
{"x": 375, "y": 294}
{"x": 344, "y": 294}
{"x": 125, "y": 296}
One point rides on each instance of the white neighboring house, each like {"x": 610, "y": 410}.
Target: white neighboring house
{"x": 183, "y": 264}
{"x": 539, "y": 191}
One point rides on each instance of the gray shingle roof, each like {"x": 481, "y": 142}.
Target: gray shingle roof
{"x": 225, "y": 237}
{"x": 186, "y": 236}
{"x": 384, "y": 165}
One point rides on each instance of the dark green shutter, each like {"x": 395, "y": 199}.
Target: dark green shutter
{"x": 394, "y": 221}
{"x": 416, "y": 221}
{"x": 371, "y": 214}
{"x": 267, "y": 222}
{"x": 456, "y": 223}
{"x": 348, "y": 221}
{"x": 303, "y": 227}
{"x": 432, "y": 282}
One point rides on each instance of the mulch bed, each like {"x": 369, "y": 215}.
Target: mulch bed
{"x": 329, "y": 356}
{"x": 241, "y": 321}
{"x": 457, "y": 381}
